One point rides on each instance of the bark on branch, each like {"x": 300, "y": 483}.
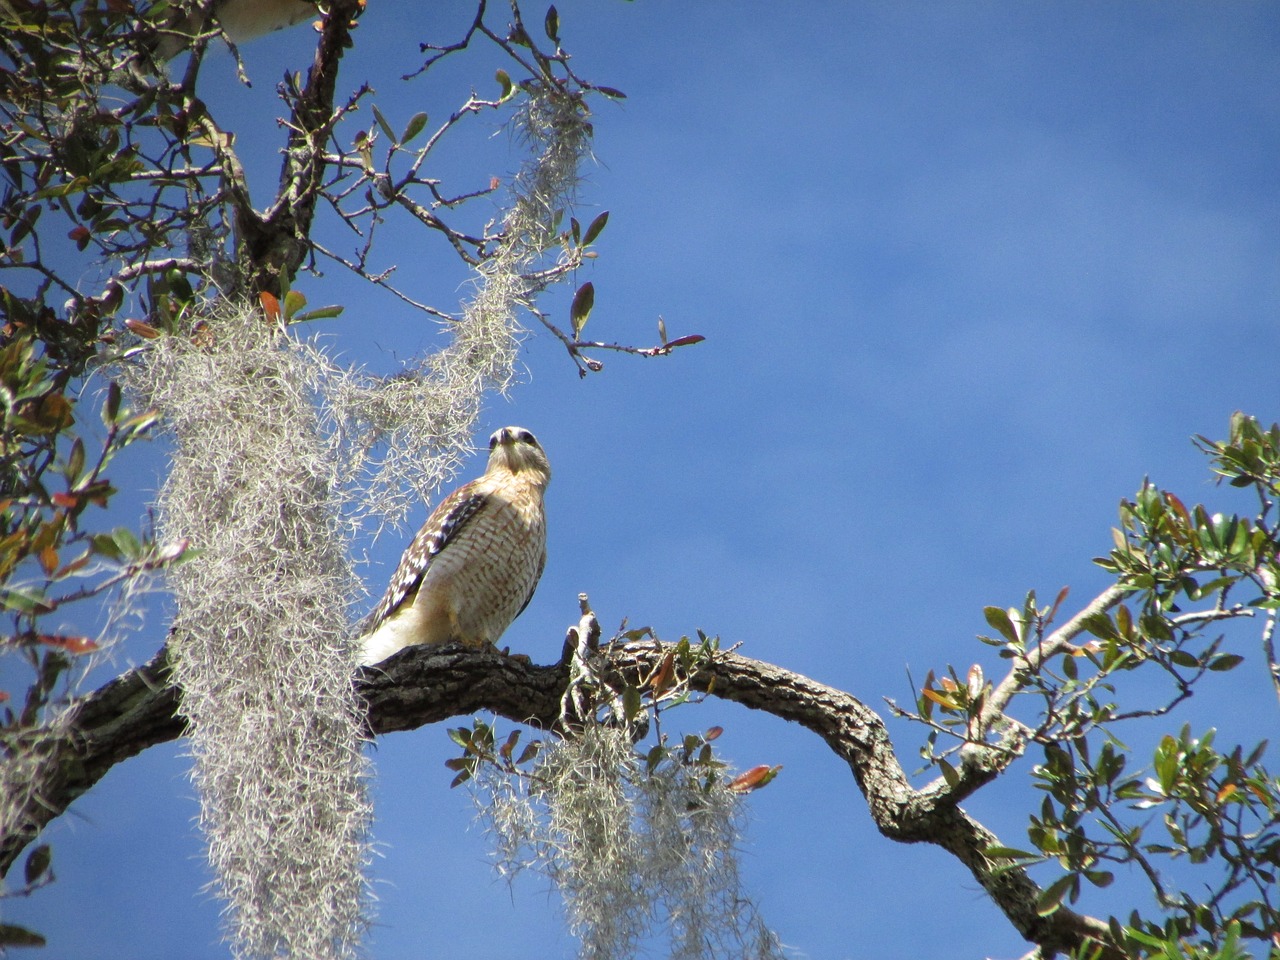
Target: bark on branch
{"x": 427, "y": 685}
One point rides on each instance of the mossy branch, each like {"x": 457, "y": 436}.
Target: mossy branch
{"x": 427, "y": 685}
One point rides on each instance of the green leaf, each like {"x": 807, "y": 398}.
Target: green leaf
{"x": 999, "y": 620}
{"x": 583, "y": 301}
{"x": 37, "y": 864}
{"x": 141, "y": 422}
{"x": 105, "y": 545}
{"x": 949, "y": 773}
{"x": 414, "y": 127}
{"x": 75, "y": 461}
{"x": 128, "y": 544}
{"x": 1100, "y": 878}
{"x": 552, "y": 24}
{"x": 111, "y": 407}
{"x": 321, "y": 313}
{"x": 630, "y": 703}
{"x": 504, "y": 81}
{"x": 1226, "y": 661}
{"x": 461, "y": 736}
{"x": 29, "y": 600}
{"x": 1008, "y": 853}
{"x": 294, "y": 301}
{"x": 382, "y": 122}
{"x": 595, "y": 228}
{"x": 14, "y": 936}
{"x": 1051, "y": 899}
{"x": 1100, "y": 625}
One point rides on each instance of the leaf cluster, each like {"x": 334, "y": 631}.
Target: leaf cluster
{"x": 1179, "y": 573}
{"x": 126, "y": 161}
{"x": 53, "y": 557}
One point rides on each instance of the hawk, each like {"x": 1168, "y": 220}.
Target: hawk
{"x": 473, "y": 566}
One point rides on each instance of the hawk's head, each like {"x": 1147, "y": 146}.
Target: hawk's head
{"x": 516, "y": 449}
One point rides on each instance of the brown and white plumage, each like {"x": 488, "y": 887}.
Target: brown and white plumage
{"x": 474, "y": 565}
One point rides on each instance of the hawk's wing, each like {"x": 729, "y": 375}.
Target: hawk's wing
{"x": 533, "y": 584}
{"x": 448, "y": 519}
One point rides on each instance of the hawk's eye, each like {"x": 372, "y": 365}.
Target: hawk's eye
{"x": 524, "y": 436}
{"x": 493, "y": 440}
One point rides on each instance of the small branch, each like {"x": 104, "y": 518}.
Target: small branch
{"x": 1052, "y": 645}
{"x": 585, "y": 363}
{"x": 137, "y": 270}
{"x": 441, "y": 52}
{"x": 1209, "y": 616}
{"x": 1269, "y": 650}
{"x": 380, "y": 280}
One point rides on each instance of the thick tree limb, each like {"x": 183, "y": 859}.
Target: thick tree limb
{"x": 427, "y": 685}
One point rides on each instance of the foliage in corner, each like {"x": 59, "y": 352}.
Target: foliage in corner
{"x": 1199, "y": 819}
{"x": 56, "y": 557}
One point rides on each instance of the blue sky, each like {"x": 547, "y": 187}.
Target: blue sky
{"x": 967, "y": 273}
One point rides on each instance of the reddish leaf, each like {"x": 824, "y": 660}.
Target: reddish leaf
{"x": 1179, "y": 508}
{"x": 73, "y": 566}
{"x": 660, "y": 680}
{"x": 754, "y": 779}
{"x": 76, "y": 645}
{"x": 65, "y": 500}
{"x": 595, "y": 227}
{"x": 140, "y": 329}
{"x": 686, "y": 340}
{"x": 1062, "y": 595}
{"x": 270, "y": 306}
{"x": 712, "y": 734}
{"x": 48, "y": 560}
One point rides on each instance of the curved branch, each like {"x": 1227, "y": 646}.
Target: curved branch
{"x": 423, "y": 685}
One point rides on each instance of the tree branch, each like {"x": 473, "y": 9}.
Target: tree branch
{"x": 276, "y": 241}
{"x": 425, "y": 685}
{"x": 1053, "y": 644}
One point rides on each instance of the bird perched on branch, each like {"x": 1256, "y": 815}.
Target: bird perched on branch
{"x": 473, "y": 566}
